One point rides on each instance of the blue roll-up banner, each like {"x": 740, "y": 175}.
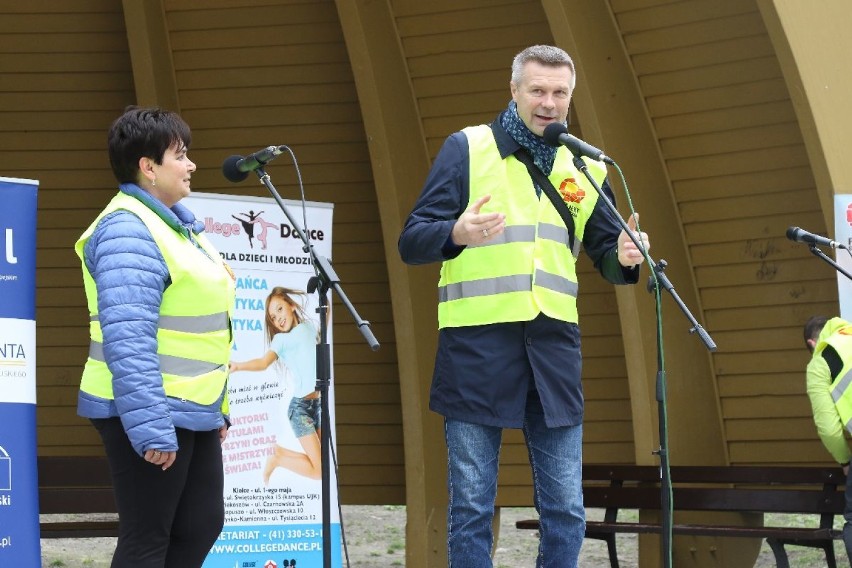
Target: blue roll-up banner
{"x": 19, "y": 524}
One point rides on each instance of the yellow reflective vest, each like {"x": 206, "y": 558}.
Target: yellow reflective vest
{"x": 529, "y": 268}
{"x": 194, "y": 337}
{"x": 841, "y": 340}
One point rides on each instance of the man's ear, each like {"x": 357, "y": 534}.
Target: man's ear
{"x": 811, "y": 344}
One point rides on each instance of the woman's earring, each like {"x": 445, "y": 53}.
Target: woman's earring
{"x": 154, "y": 182}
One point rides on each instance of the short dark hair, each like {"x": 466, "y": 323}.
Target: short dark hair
{"x": 813, "y": 327}
{"x": 143, "y": 132}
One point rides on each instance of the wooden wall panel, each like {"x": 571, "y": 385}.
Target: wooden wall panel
{"x": 733, "y": 148}
{"x": 277, "y": 71}
{"x": 242, "y": 83}
{"x": 245, "y": 82}
{"x": 460, "y": 70}
{"x": 65, "y": 76}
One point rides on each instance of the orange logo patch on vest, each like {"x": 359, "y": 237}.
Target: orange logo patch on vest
{"x": 570, "y": 191}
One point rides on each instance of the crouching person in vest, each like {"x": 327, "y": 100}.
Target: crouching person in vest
{"x": 509, "y": 343}
{"x": 828, "y": 384}
{"x": 154, "y": 384}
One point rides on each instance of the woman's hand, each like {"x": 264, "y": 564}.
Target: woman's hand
{"x": 233, "y": 366}
{"x": 164, "y": 459}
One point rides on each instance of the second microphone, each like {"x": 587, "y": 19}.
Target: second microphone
{"x": 236, "y": 168}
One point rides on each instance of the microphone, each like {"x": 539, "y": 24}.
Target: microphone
{"x": 802, "y": 236}
{"x": 236, "y": 168}
{"x": 556, "y": 133}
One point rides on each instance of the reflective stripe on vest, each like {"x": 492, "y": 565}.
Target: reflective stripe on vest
{"x": 841, "y": 341}
{"x": 169, "y": 364}
{"x": 529, "y": 268}
{"x": 526, "y": 234}
{"x": 516, "y": 234}
{"x": 505, "y": 284}
{"x": 838, "y": 390}
{"x": 189, "y": 324}
{"x": 196, "y": 324}
{"x": 193, "y": 344}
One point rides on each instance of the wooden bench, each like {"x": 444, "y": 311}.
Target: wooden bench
{"x": 743, "y": 489}
{"x": 76, "y": 485}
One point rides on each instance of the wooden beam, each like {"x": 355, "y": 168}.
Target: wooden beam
{"x": 151, "y": 54}
{"x": 612, "y": 112}
{"x": 400, "y": 162}
{"x": 613, "y": 116}
{"x": 812, "y": 45}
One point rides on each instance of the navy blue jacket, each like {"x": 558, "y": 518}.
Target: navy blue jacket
{"x": 483, "y": 374}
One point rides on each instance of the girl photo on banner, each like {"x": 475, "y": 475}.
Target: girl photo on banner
{"x": 291, "y": 340}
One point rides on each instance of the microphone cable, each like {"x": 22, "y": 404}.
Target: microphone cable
{"x": 654, "y": 284}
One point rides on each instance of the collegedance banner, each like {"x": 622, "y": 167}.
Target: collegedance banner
{"x": 273, "y": 495}
{"x": 19, "y": 525}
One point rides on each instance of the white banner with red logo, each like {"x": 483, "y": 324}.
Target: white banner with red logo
{"x": 843, "y": 235}
{"x": 273, "y": 506}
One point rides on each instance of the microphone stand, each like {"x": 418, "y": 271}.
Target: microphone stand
{"x": 325, "y": 279}
{"x": 659, "y": 280}
{"x": 819, "y": 254}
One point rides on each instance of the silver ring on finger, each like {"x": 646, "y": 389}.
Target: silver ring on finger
{"x": 485, "y": 233}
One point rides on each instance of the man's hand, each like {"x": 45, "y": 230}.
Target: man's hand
{"x": 628, "y": 253}
{"x": 474, "y": 227}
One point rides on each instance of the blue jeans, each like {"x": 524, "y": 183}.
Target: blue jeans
{"x": 556, "y": 459}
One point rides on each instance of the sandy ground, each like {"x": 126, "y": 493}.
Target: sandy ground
{"x": 376, "y": 539}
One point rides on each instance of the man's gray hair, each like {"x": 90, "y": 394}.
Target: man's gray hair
{"x": 546, "y": 55}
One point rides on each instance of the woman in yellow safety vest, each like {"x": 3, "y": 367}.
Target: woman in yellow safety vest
{"x": 154, "y": 385}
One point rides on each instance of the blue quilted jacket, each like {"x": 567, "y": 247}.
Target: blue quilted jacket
{"x": 131, "y": 276}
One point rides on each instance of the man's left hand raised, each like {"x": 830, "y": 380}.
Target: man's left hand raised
{"x": 628, "y": 253}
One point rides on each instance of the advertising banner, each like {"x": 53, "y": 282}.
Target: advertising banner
{"x": 19, "y": 523}
{"x": 273, "y": 500}
{"x": 843, "y": 235}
